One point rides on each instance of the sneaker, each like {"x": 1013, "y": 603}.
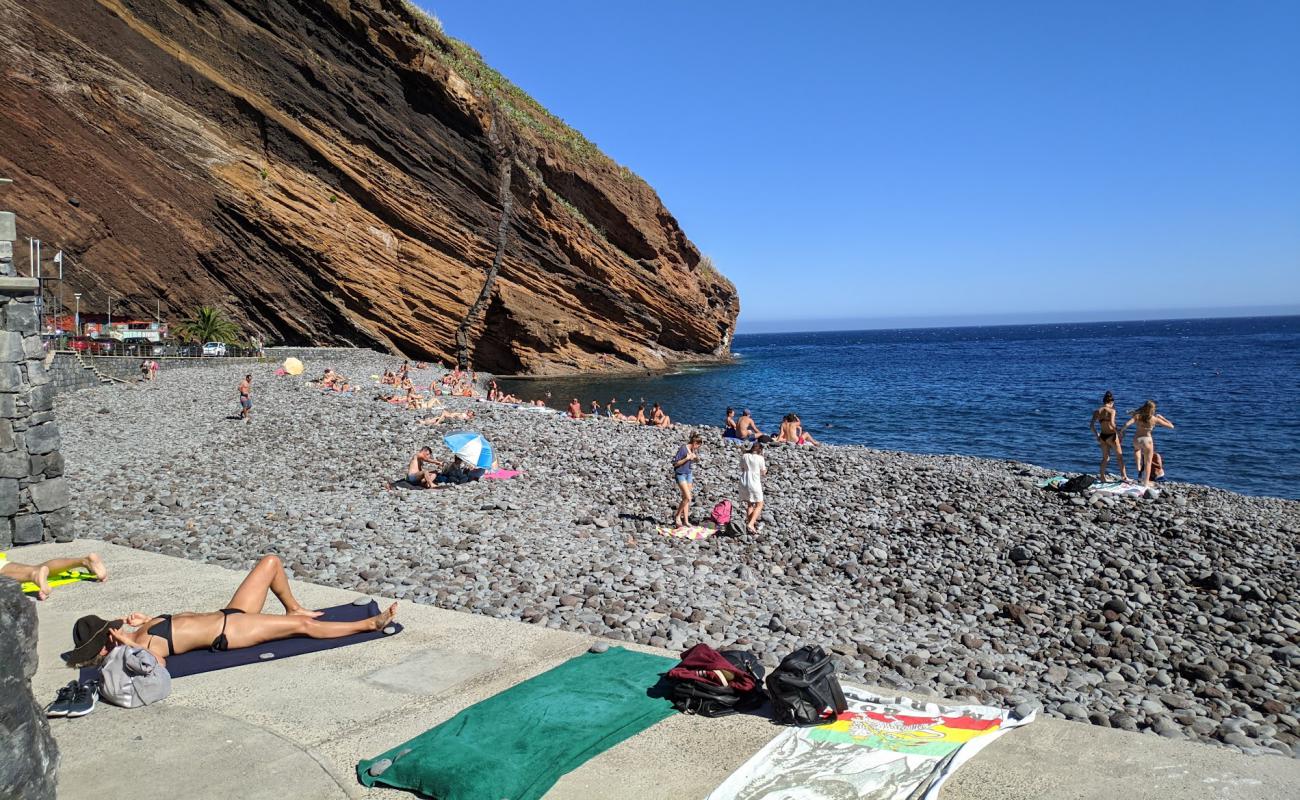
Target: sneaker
{"x": 83, "y": 702}
{"x": 59, "y": 708}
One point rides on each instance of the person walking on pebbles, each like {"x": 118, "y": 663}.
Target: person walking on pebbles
{"x": 752, "y": 469}
{"x": 39, "y": 574}
{"x": 246, "y": 398}
{"x": 684, "y": 475}
{"x": 1144, "y": 443}
{"x": 1108, "y": 437}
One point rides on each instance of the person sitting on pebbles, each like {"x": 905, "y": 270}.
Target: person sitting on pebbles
{"x": 658, "y": 418}
{"x": 39, "y": 574}
{"x": 575, "y": 409}
{"x": 447, "y": 416}
{"x": 416, "y": 475}
{"x": 240, "y": 624}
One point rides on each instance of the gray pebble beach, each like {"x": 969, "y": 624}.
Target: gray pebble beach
{"x": 1177, "y": 616}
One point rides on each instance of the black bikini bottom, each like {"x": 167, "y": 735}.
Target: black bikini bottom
{"x": 220, "y": 643}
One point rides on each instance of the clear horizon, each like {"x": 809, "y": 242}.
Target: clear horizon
{"x": 844, "y": 324}
{"x": 867, "y": 161}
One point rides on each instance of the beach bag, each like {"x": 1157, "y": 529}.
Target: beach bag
{"x": 735, "y": 527}
{"x": 804, "y": 688}
{"x": 713, "y": 684}
{"x": 721, "y": 513}
{"x": 1078, "y": 484}
{"x": 132, "y": 677}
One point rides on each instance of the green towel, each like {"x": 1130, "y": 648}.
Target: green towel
{"x": 518, "y": 743}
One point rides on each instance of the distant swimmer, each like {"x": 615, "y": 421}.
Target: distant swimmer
{"x": 1144, "y": 444}
{"x": 1108, "y": 437}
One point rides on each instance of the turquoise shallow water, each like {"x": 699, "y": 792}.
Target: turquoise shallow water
{"x": 1023, "y": 392}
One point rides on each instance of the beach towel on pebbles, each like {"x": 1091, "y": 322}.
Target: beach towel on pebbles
{"x": 881, "y": 748}
{"x": 1120, "y": 488}
{"x": 692, "y": 532}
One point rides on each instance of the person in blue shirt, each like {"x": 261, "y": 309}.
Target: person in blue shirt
{"x": 683, "y": 474}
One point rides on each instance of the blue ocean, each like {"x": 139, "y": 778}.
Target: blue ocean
{"x": 1020, "y": 392}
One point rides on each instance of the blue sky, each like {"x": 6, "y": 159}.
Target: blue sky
{"x": 945, "y": 161}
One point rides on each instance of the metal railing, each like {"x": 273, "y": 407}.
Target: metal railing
{"x": 143, "y": 348}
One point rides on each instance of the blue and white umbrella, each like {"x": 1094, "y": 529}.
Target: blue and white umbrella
{"x": 471, "y": 448}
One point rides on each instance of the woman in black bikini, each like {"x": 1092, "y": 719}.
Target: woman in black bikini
{"x": 240, "y": 624}
{"x": 1108, "y": 437}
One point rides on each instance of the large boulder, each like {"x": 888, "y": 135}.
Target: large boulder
{"x": 29, "y": 758}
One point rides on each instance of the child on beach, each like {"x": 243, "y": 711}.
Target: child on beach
{"x": 684, "y": 476}
{"x": 752, "y": 469}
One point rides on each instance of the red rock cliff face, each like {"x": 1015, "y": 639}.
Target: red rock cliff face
{"x": 324, "y": 169}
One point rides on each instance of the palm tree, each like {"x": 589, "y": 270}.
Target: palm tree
{"x": 209, "y": 324}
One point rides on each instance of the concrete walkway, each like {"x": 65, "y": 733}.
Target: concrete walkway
{"x": 296, "y": 728}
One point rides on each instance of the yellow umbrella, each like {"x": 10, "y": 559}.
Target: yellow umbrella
{"x": 293, "y": 366}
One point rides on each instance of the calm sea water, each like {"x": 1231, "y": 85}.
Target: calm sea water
{"x": 1022, "y": 392}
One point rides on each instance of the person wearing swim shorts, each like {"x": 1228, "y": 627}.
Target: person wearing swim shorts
{"x": 416, "y": 475}
{"x": 39, "y": 574}
{"x": 240, "y": 624}
{"x": 745, "y": 427}
{"x": 684, "y": 476}
{"x": 1108, "y": 437}
{"x": 1144, "y": 444}
{"x": 246, "y": 398}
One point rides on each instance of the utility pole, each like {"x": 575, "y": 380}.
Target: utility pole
{"x": 76, "y": 321}
{"x": 8, "y": 234}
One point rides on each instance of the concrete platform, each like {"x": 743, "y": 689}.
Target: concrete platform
{"x": 296, "y": 728}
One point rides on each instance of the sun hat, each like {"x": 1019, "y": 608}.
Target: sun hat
{"x": 89, "y": 635}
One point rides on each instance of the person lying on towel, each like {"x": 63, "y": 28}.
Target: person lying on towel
{"x": 240, "y": 624}
{"x": 39, "y": 574}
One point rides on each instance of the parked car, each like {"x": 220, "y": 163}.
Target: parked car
{"x": 103, "y": 346}
{"x": 214, "y": 349}
{"x": 79, "y": 343}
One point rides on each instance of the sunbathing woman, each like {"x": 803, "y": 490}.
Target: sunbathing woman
{"x": 659, "y": 419}
{"x": 1144, "y": 444}
{"x": 640, "y": 415}
{"x": 240, "y": 624}
{"x": 39, "y": 574}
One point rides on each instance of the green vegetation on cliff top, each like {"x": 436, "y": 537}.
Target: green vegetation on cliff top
{"x": 517, "y": 104}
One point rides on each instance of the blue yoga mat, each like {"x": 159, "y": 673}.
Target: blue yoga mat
{"x": 196, "y": 661}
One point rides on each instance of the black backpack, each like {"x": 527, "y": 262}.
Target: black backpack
{"x": 1078, "y": 484}
{"x": 709, "y": 700}
{"x": 804, "y": 688}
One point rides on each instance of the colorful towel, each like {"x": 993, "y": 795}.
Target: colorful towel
{"x": 197, "y": 661}
{"x": 61, "y": 579}
{"x": 692, "y": 532}
{"x": 879, "y": 749}
{"x": 501, "y": 475}
{"x": 518, "y": 743}
{"x": 1052, "y": 482}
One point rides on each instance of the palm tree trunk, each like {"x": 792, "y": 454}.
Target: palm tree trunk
{"x": 506, "y": 160}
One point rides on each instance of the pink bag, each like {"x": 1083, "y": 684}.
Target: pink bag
{"x": 721, "y": 513}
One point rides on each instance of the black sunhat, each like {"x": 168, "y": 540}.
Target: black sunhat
{"x": 89, "y": 635}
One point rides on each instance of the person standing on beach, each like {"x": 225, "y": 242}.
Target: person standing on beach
{"x": 729, "y": 424}
{"x": 1108, "y": 437}
{"x": 684, "y": 475}
{"x": 246, "y": 398}
{"x": 1144, "y": 443}
{"x": 752, "y": 469}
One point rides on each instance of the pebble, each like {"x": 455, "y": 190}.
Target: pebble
{"x": 946, "y": 574}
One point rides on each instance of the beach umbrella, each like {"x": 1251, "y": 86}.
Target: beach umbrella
{"x": 293, "y": 366}
{"x": 471, "y": 448}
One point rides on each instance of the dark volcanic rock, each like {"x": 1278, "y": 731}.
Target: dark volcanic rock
{"x": 29, "y": 758}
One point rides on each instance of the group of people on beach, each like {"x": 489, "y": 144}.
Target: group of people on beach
{"x": 148, "y": 369}
{"x": 1110, "y": 439}
{"x": 753, "y": 468}
{"x": 656, "y": 417}
{"x": 744, "y": 429}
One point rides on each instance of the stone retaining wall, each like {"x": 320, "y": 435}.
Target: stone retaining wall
{"x": 33, "y": 494}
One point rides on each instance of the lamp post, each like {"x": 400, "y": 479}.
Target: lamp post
{"x": 76, "y": 321}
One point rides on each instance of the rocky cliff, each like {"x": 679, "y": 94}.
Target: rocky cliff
{"x": 331, "y": 171}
